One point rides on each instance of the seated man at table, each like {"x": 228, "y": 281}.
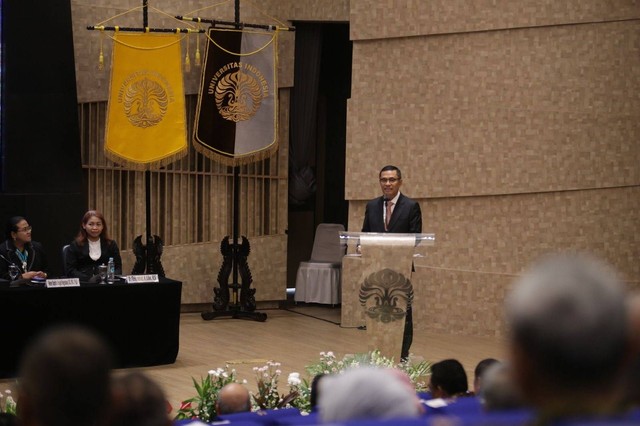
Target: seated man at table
{"x": 64, "y": 380}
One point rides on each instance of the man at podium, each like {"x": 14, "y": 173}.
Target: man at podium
{"x": 397, "y": 213}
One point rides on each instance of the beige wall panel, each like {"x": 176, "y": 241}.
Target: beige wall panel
{"x": 197, "y": 266}
{"x": 498, "y": 112}
{"x": 378, "y": 19}
{"x": 460, "y": 303}
{"x": 483, "y": 243}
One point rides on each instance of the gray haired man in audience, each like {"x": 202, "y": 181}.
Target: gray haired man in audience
{"x": 569, "y": 336}
{"x": 366, "y": 393}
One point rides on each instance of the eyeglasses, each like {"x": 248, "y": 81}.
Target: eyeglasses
{"x": 26, "y": 229}
{"x": 389, "y": 180}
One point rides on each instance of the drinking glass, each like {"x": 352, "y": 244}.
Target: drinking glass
{"x": 102, "y": 270}
{"x": 14, "y": 272}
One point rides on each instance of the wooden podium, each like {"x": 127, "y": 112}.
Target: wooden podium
{"x": 376, "y": 285}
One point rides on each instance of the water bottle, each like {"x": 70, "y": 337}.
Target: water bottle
{"x": 111, "y": 271}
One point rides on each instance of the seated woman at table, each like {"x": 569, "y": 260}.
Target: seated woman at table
{"x": 20, "y": 250}
{"x": 91, "y": 248}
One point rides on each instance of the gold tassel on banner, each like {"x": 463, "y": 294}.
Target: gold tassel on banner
{"x": 187, "y": 60}
{"x": 197, "y": 59}
{"x": 101, "y": 57}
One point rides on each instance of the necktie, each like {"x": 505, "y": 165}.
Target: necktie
{"x": 388, "y": 216}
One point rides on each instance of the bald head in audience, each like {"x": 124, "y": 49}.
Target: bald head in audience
{"x": 64, "y": 380}
{"x": 233, "y": 398}
{"x": 569, "y": 335}
{"x": 366, "y": 393}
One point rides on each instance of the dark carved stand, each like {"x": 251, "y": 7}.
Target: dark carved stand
{"x": 244, "y": 305}
{"x": 235, "y": 300}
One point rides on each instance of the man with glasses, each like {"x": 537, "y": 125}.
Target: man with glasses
{"x": 20, "y": 256}
{"x": 393, "y": 211}
{"x": 396, "y": 213}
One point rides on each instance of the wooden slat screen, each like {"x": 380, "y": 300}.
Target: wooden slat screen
{"x": 191, "y": 199}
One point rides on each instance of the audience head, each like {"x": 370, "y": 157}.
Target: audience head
{"x": 7, "y": 419}
{"x": 93, "y": 226}
{"x": 365, "y": 393}
{"x": 479, "y": 372}
{"x": 313, "y": 397}
{"x": 569, "y": 325}
{"x": 448, "y": 379}
{"x": 233, "y": 398}
{"x": 499, "y": 390}
{"x": 632, "y": 379}
{"x": 18, "y": 230}
{"x": 138, "y": 401}
{"x": 64, "y": 379}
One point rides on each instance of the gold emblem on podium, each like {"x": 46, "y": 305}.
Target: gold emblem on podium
{"x": 391, "y": 293}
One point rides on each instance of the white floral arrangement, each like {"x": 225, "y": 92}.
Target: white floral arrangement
{"x": 299, "y": 392}
{"x": 7, "y": 403}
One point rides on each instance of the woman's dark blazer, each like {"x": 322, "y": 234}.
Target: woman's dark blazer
{"x": 78, "y": 263}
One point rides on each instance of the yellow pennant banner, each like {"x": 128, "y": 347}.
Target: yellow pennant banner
{"x": 146, "y": 123}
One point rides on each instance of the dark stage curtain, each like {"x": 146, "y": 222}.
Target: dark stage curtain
{"x": 304, "y": 102}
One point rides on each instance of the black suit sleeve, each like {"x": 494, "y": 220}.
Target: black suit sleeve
{"x": 40, "y": 260}
{"x": 74, "y": 260}
{"x": 366, "y": 227}
{"x": 415, "y": 219}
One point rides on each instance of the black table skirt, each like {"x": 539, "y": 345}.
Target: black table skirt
{"x": 141, "y": 322}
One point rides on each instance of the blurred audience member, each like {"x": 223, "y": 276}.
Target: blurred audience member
{"x": 481, "y": 367}
{"x": 7, "y": 419}
{"x": 313, "y": 397}
{"x": 64, "y": 380}
{"x": 233, "y": 398}
{"x": 632, "y": 397}
{"x": 568, "y": 343}
{"x": 138, "y": 401}
{"x": 499, "y": 391}
{"x": 448, "y": 379}
{"x": 365, "y": 393}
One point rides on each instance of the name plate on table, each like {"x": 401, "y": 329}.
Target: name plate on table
{"x": 150, "y": 278}
{"x": 63, "y": 282}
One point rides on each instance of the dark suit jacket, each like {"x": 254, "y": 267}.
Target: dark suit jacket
{"x": 406, "y": 217}
{"x": 80, "y": 265}
{"x": 36, "y": 259}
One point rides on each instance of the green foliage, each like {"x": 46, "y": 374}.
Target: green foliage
{"x": 203, "y": 405}
{"x": 268, "y": 397}
{"x": 7, "y": 403}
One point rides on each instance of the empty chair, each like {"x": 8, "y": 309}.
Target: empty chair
{"x": 318, "y": 280}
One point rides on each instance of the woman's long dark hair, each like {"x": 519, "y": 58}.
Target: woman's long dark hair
{"x": 12, "y": 226}
{"x": 82, "y": 236}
